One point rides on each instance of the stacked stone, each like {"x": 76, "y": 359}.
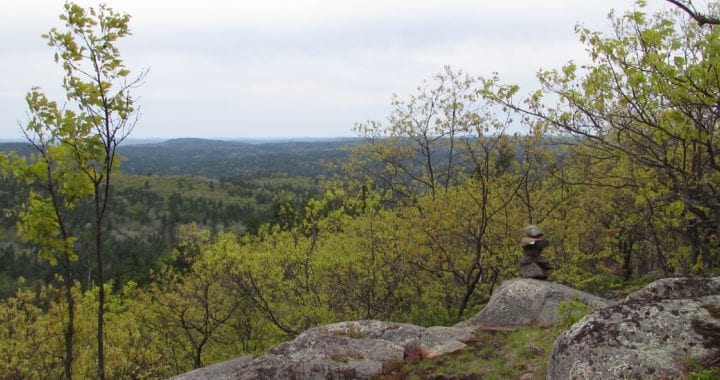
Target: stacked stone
{"x": 533, "y": 264}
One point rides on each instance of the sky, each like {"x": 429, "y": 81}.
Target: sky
{"x": 295, "y": 68}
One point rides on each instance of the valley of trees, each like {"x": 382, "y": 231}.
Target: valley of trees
{"x": 191, "y": 252}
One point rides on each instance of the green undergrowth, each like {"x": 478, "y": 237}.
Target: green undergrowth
{"x": 491, "y": 355}
{"x": 701, "y": 373}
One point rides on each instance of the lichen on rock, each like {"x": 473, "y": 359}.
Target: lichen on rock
{"x": 652, "y": 333}
{"x": 528, "y": 302}
{"x": 353, "y": 349}
{"x": 364, "y": 349}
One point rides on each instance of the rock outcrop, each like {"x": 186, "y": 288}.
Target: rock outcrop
{"x": 361, "y": 349}
{"x": 353, "y": 350}
{"x": 226, "y": 370}
{"x": 527, "y": 302}
{"x": 653, "y": 333}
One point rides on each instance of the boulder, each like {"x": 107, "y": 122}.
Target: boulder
{"x": 656, "y": 332}
{"x": 361, "y": 349}
{"x": 527, "y": 302}
{"x": 352, "y": 350}
{"x": 221, "y": 371}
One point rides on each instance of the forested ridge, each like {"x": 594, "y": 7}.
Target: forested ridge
{"x": 148, "y": 209}
{"x": 232, "y": 159}
{"x": 211, "y": 250}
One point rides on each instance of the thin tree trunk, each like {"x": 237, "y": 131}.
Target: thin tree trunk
{"x": 69, "y": 279}
{"x": 70, "y": 328}
{"x": 197, "y": 359}
{"x": 101, "y": 284}
{"x": 469, "y": 290}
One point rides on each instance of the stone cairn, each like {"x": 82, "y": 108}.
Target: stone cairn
{"x": 533, "y": 264}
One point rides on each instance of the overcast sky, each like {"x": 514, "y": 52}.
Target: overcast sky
{"x": 295, "y": 68}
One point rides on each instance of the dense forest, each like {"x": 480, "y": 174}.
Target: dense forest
{"x": 147, "y": 209}
{"x": 190, "y": 252}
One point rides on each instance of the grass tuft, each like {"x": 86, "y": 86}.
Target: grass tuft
{"x": 492, "y": 355}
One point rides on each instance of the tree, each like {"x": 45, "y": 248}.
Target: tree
{"x": 49, "y": 218}
{"x": 648, "y": 101}
{"x": 26, "y": 339}
{"x": 278, "y": 273}
{"x": 446, "y": 152}
{"x": 31, "y": 339}
{"x": 191, "y": 309}
{"x": 700, "y": 17}
{"x": 100, "y": 113}
{"x": 423, "y": 148}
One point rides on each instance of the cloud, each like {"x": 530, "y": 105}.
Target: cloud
{"x": 283, "y": 67}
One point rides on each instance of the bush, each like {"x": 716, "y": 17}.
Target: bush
{"x": 571, "y": 311}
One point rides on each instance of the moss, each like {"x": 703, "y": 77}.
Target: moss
{"x": 491, "y": 355}
{"x": 701, "y": 369}
{"x": 705, "y": 374}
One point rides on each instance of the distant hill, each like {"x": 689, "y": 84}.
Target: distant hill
{"x": 230, "y": 159}
{"x": 21, "y": 148}
{"x": 226, "y": 158}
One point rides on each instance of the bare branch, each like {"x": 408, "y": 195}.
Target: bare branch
{"x": 689, "y": 8}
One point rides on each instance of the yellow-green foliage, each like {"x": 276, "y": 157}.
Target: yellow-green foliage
{"x": 190, "y": 187}
{"x": 32, "y": 342}
{"x": 26, "y": 339}
{"x": 427, "y": 223}
{"x": 571, "y": 312}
